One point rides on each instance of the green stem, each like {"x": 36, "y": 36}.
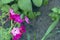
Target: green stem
{"x": 10, "y": 27}
{"x": 28, "y": 36}
{"x": 35, "y": 36}
{"x": 2, "y": 20}
{"x": 51, "y": 27}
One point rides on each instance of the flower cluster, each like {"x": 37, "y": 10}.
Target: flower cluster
{"x": 17, "y": 17}
{"x": 17, "y": 31}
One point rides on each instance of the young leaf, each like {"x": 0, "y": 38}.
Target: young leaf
{"x": 31, "y": 15}
{"x": 37, "y": 13}
{"x": 53, "y": 16}
{"x": 25, "y": 5}
{"x": 45, "y": 2}
{"x": 51, "y": 27}
{"x": 38, "y": 3}
{"x": 55, "y": 10}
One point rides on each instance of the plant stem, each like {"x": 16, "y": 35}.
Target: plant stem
{"x": 10, "y": 27}
{"x": 34, "y": 35}
{"x": 5, "y": 21}
{"x": 28, "y": 36}
{"x": 51, "y": 27}
{"x": 2, "y": 20}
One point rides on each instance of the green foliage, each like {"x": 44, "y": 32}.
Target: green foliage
{"x": 45, "y": 2}
{"x": 3, "y": 15}
{"x": 15, "y": 7}
{"x": 5, "y": 8}
{"x": 55, "y": 13}
{"x": 4, "y": 35}
{"x": 38, "y": 3}
{"x": 56, "y": 10}
{"x": 53, "y": 16}
{"x": 37, "y": 13}
{"x": 0, "y": 4}
{"x": 6, "y": 1}
{"x": 33, "y": 15}
{"x": 25, "y": 5}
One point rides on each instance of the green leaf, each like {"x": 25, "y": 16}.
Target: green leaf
{"x": 55, "y": 10}
{"x": 55, "y": 13}
{"x": 54, "y": 16}
{"x": 37, "y": 13}
{"x": 4, "y": 35}
{"x": 38, "y": 3}
{"x": 5, "y": 8}
{"x": 25, "y": 5}
{"x": 6, "y": 1}
{"x": 59, "y": 11}
{"x": 31, "y": 15}
{"x": 51, "y": 27}
{"x": 15, "y": 7}
{"x": 0, "y": 4}
{"x": 45, "y": 2}
{"x": 4, "y": 15}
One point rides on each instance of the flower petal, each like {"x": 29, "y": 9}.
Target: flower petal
{"x": 11, "y": 11}
{"x": 27, "y": 19}
{"x": 15, "y": 17}
{"x": 15, "y": 31}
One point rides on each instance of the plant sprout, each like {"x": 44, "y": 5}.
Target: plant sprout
{"x": 55, "y": 15}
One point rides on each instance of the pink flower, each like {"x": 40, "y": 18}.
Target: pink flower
{"x": 16, "y": 37}
{"x": 22, "y": 29}
{"x": 27, "y": 19}
{"x": 11, "y": 12}
{"x": 17, "y": 32}
{"x": 15, "y": 17}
